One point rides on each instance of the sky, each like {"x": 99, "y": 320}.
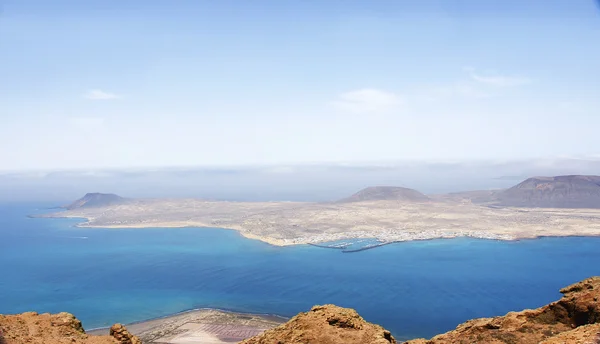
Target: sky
{"x": 122, "y": 84}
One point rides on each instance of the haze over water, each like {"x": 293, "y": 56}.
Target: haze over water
{"x": 414, "y": 289}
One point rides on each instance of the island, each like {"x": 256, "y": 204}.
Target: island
{"x": 537, "y": 207}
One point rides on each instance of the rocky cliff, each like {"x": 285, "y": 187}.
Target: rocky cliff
{"x": 62, "y": 328}
{"x": 575, "y": 318}
{"x": 327, "y": 324}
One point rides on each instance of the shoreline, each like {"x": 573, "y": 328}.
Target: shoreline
{"x": 270, "y": 241}
{"x": 87, "y": 220}
{"x": 195, "y": 310}
{"x": 200, "y": 326}
{"x": 86, "y": 223}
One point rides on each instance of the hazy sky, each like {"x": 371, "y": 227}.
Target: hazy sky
{"x": 112, "y": 83}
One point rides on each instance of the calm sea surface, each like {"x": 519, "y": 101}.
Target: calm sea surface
{"x": 414, "y": 289}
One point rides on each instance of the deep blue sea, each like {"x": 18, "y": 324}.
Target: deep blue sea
{"x": 414, "y": 289}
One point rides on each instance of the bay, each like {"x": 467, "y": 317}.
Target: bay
{"x": 414, "y": 289}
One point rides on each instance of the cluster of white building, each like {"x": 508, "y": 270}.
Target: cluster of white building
{"x": 395, "y": 235}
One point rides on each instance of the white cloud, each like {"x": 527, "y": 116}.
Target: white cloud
{"x": 367, "y": 100}
{"x": 475, "y": 86}
{"x": 458, "y": 89}
{"x": 100, "y": 95}
{"x": 502, "y": 81}
{"x": 496, "y": 79}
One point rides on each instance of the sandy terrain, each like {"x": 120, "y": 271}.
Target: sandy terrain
{"x": 289, "y": 223}
{"x": 205, "y": 326}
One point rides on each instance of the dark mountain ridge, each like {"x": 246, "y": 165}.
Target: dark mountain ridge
{"x": 572, "y": 191}
{"x": 569, "y": 191}
{"x": 96, "y": 199}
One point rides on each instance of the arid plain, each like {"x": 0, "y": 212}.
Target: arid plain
{"x": 289, "y": 223}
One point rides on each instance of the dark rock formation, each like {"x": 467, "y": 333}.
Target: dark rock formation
{"x": 553, "y": 192}
{"x": 62, "y": 328}
{"x": 575, "y": 319}
{"x": 387, "y": 193}
{"x": 96, "y": 199}
{"x": 327, "y": 324}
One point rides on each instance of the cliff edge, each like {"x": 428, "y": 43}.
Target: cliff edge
{"x": 326, "y": 324}
{"x": 62, "y": 328}
{"x": 575, "y": 318}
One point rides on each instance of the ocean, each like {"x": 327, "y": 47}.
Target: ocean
{"x": 414, "y": 289}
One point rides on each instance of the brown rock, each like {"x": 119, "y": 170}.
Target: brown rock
{"x": 62, "y": 328}
{"x": 120, "y": 333}
{"x": 572, "y": 319}
{"x": 586, "y": 334}
{"x": 327, "y": 324}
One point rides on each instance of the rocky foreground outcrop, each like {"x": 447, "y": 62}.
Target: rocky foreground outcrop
{"x": 62, "y": 328}
{"x": 327, "y": 324}
{"x": 575, "y": 318}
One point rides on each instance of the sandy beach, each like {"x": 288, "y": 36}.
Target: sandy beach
{"x": 203, "y": 326}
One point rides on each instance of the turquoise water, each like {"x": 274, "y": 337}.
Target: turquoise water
{"x": 414, "y": 289}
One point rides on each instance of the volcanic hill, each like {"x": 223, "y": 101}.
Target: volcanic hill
{"x": 96, "y": 199}
{"x": 573, "y": 191}
{"x": 386, "y": 193}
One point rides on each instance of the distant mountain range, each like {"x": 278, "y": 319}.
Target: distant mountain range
{"x": 574, "y": 191}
